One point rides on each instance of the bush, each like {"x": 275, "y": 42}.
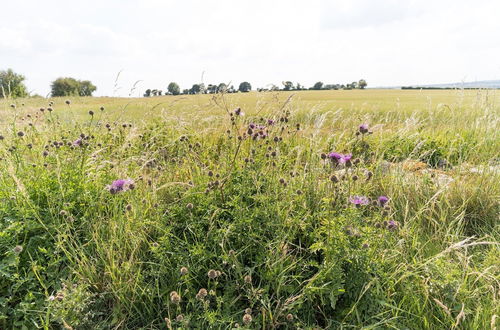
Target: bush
{"x": 72, "y": 87}
{"x": 11, "y": 84}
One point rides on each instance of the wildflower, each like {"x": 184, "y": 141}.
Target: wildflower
{"x": 91, "y": 112}
{"x": 45, "y": 153}
{"x": 338, "y": 158}
{"x": 383, "y": 200}
{"x": 248, "y": 279}
{"x": 334, "y": 179}
{"x": 78, "y": 142}
{"x": 120, "y": 185}
{"x": 289, "y": 317}
{"x": 346, "y": 159}
{"x": 52, "y": 298}
{"x": 248, "y": 311}
{"x": 363, "y": 128}
{"x": 392, "y": 225}
{"x": 335, "y": 156}
{"x": 59, "y": 296}
{"x": 18, "y": 249}
{"x": 202, "y": 293}
{"x": 190, "y": 206}
{"x": 179, "y": 318}
{"x": 184, "y": 270}
{"x": 128, "y": 207}
{"x": 212, "y": 274}
{"x": 20, "y": 133}
{"x": 102, "y": 108}
{"x": 270, "y": 122}
{"x": 247, "y": 318}
{"x": 238, "y": 112}
{"x": 68, "y": 102}
{"x": 359, "y": 200}
{"x": 174, "y": 297}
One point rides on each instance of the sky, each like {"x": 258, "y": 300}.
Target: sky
{"x": 119, "y": 44}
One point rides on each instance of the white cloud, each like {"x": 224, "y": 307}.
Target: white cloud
{"x": 387, "y": 42}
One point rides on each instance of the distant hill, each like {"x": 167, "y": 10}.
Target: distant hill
{"x": 472, "y": 84}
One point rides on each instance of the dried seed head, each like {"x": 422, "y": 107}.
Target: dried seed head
{"x": 175, "y": 298}
{"x": 248, "y": 311}
{"x": 248, "y": 279}
{"x": 212, "y": 274}
{"x": 202, "y": 293}
{"x": 18, "y": 249}
{"x": 179, "y": 318}
{"x": 184, "y": 270}
{"x": 247, "y": 318}
{"x": 68, "y": 102}
{"x": 289, "y": 317}
{"x": 190, "y": 206}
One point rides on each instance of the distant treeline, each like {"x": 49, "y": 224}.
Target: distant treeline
{"x": 174, "y": 89}
{"x": 413, "y": 87}
{"x": 12, "y": 86}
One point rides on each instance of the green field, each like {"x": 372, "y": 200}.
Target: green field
{"x": 246, "y": 220}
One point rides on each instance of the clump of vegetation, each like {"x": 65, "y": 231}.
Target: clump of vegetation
{"x": 12, "y": 84}
{"x": 71, "y": 87}
{"x": 231, "y": 216}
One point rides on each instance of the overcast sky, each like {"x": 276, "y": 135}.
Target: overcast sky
{"x": 386, "y": 42}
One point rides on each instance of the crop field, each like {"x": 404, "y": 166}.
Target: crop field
{"x": 374, "y": 209}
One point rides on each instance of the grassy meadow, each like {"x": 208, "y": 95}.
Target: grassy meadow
{"x": 186, "y": 213}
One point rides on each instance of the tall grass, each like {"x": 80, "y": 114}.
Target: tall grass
{"x": 259, "y": 217}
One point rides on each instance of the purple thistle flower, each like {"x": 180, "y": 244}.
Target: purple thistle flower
{"x": 238, "y": 112}
{"x": 251, "y": 126}
{"x": 392, "y": 225}
{"x": 120, "y": 185}
{"x": 363, "y": 128}
{"x": 339, "y": 158}
{"x": 383, "y": 200}
{"x": 335, "y": 156}
{"x": 78, "y": 142}
{"x": 346, "y": 158}
{"x": 270, "y": 122}
{"x": 359, "y": 200}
